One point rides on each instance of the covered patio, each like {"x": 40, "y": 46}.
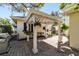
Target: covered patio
{"x": 39, "y": 20}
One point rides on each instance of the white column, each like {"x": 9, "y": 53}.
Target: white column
{"x": 27, "y": 38}
{"x": 59, "y": 33}
{"x": 35, "y": 50}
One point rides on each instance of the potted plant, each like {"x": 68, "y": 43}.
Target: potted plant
{"x": 37, "y": 24}
{"x": 64, "y": 27}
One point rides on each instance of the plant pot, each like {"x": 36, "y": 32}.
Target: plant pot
{"x": 37, "y": 24}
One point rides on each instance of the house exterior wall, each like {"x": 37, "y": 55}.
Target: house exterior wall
{"x": 43, "y": 20}
{"x": 48, "y": 27}
{"x": 20, "y": 25}
{"x": 20, "y": 28}
{"x": 74, "y": 30}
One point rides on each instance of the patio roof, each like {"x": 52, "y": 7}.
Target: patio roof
{"x": 34, "y": 12}
{"x": 69, "y": 9}
{"x": 15, "y": 18}
{"x": 41, "y": 14}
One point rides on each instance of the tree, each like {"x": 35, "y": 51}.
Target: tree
{"x": 5, "y": 21}
{"x": 62, "y": 5}
{"x": 37, "y": 5}
{"x": 23, "y": 7}
{"x": 64, "y": 27}
{"x": 77, "y": 7}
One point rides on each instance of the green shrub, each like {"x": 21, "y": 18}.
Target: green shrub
{"x": 62, "y": 5}
{"x": 6, "y": 26}
{"x": 64, "y": 27}
{"x": 0, "y": 30}
{"x": 7, "y": 29}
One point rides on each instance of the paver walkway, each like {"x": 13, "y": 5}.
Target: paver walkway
{"x": 53, "y": 41}
{"x": 46, "y": 47}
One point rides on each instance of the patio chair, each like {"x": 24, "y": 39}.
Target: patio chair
{"x": 5, "y": 35}
{"x": 4, "y": 42}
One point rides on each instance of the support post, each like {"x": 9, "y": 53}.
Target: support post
{"x": 59, "y": 35}
{"x": 35, "y": 50}
{"x": 27, "y": 38}
{"x": 45, "y": 31}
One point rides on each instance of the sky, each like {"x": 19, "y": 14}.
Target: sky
{"x": 48, "y": 8}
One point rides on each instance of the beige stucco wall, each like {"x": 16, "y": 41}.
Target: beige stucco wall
{"x": 40, "y": 29}
{"x": 20, "y": 27}
{"x": 74, "y": 30}
{"x": 48, "y": 26}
